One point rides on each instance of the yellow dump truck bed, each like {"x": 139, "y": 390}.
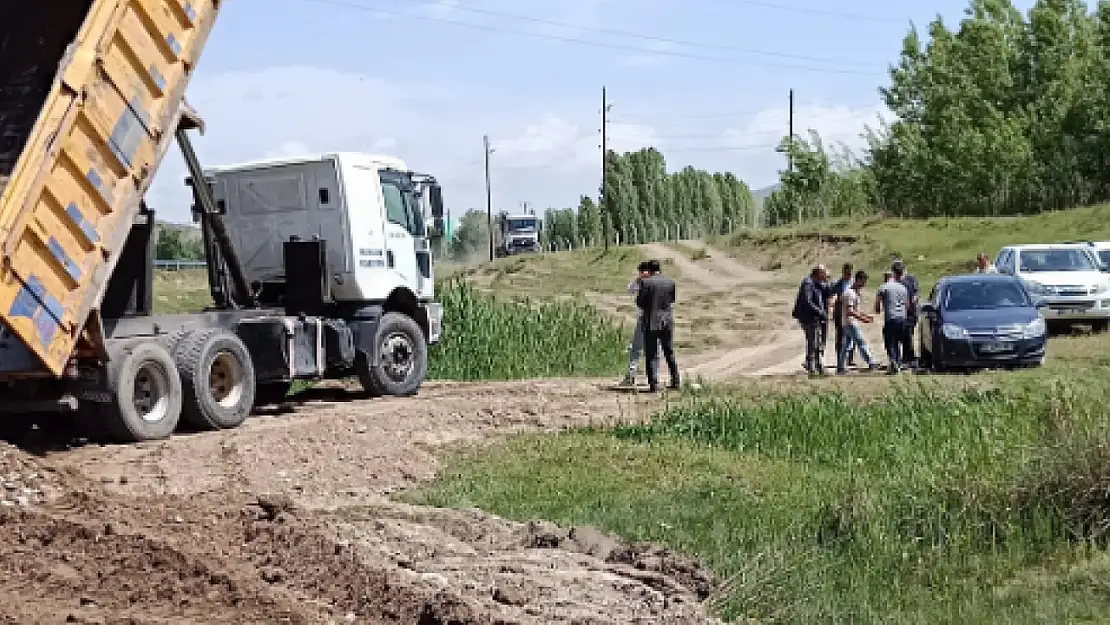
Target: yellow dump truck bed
{"x": 90, "y": 94}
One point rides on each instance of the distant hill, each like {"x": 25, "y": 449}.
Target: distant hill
{"x": 765, "y": 191}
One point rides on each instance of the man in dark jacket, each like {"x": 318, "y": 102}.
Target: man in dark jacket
{"x": 812, "y": 312}
{"x": 838, "y": 289}
{"x": 656, "y": 301}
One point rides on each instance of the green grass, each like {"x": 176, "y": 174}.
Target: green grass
{"x": 960, "y": 500}
{"x": 930, "y": 247}
{"x": 181, "y": 291}
{"x": 486, "y": 338}
{"x": 560, "y": 275}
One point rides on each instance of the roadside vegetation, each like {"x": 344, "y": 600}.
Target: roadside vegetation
{"x": 949, "y": 499}
{"x": 489, "y": 338}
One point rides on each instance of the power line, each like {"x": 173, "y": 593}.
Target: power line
{"x": 645, "y": 37}
{"x": 597, "y": 44}
{"x": 858, "y": 17}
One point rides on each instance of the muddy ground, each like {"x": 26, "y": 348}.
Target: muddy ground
{"x": 289, "y": 519}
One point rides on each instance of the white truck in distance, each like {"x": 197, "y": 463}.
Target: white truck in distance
{"x": 518, "y": 233}
{"x": 1069, "y": 278}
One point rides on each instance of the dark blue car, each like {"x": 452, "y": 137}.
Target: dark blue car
{"x": 982, "y": 321}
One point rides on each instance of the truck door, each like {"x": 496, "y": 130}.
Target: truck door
{"x": 401, "y": 222}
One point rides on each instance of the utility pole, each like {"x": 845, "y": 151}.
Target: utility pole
{"x": 790, "y": 146}
{"x": 790, "y": 130}
{"x": 603, "y": 203}
{"x": 489, "y": 197}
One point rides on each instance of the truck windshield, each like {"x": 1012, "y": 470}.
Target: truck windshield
{"x": 401, "y": 204}
{"x": 1064, "y": 259}
{"x": 522, "y": 225}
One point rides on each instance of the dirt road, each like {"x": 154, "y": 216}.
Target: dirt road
{"x": 288, "y": 520}
{"x": 741, "y": 315}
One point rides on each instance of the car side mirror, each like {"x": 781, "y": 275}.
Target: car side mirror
{"x": 1104, "y": 268}
{"x": 928, "y": 308}
{"x": 435, "y": 197}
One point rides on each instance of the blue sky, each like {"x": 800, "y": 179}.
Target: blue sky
{"x": 404, "y": 77}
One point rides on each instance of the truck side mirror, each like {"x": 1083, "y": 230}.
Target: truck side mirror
{"x": 435, "y": 196}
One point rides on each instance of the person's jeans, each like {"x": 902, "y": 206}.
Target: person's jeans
{"x": 815, "y": 346}
{"x": 839, "y": 338}
{"x": 637, "y": 346}
{"x": 656, "y": 341}
{"x": 894, "y": 334}
{"x": 852, "y": 339}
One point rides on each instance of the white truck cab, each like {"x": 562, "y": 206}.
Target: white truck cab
{"x": 518, "y": 234}
{"x": 368, "y": 209}
{"x": 1069, "y": 277}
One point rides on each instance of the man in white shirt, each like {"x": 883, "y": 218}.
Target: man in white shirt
{"x": 850, "y": 318}
{"x": 637, "y": 346}
{"x": 984, "y": 265}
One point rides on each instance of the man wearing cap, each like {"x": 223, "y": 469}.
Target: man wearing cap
{"x": 898, "y": 268}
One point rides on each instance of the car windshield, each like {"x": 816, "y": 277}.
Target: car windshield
{"x": 985, "y": 295}
{"x": 1034, "y": 261}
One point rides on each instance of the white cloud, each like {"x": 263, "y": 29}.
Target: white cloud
{"x": 835, "y": 124}
{"x": 546, "y": 153}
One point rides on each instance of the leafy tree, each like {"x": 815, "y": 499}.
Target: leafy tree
{"x": 172, "y": 245}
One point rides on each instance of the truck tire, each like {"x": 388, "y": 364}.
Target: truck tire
{"x": 402, "y": 357}
{"x": 145, "y": 391}
{"x": 217, "y": 376}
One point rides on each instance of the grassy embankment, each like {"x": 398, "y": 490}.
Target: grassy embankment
{"x": 949, "y": 499}
{"x": 931, "y": 248}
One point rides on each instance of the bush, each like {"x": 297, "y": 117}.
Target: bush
{"x": 486, "y": 338}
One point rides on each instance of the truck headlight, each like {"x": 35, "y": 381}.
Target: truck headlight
{"x": 954, "y": 332}
{"x": 1036, "y": 329}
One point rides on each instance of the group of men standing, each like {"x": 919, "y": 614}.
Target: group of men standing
{"x": 820, "y": 301}
{"x": 655, "y": 297}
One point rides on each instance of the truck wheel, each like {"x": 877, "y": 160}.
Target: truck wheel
{"x": 217, "y": 376}
{"x": 146, "y": 394}
{"x": 402, "y": 357}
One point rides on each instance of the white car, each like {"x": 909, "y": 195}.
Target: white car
{"x": 1102, "y": 249}
{"x": 1070, "y": 279}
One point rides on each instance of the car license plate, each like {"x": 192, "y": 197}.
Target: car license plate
{"x": 996, "y": 348}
